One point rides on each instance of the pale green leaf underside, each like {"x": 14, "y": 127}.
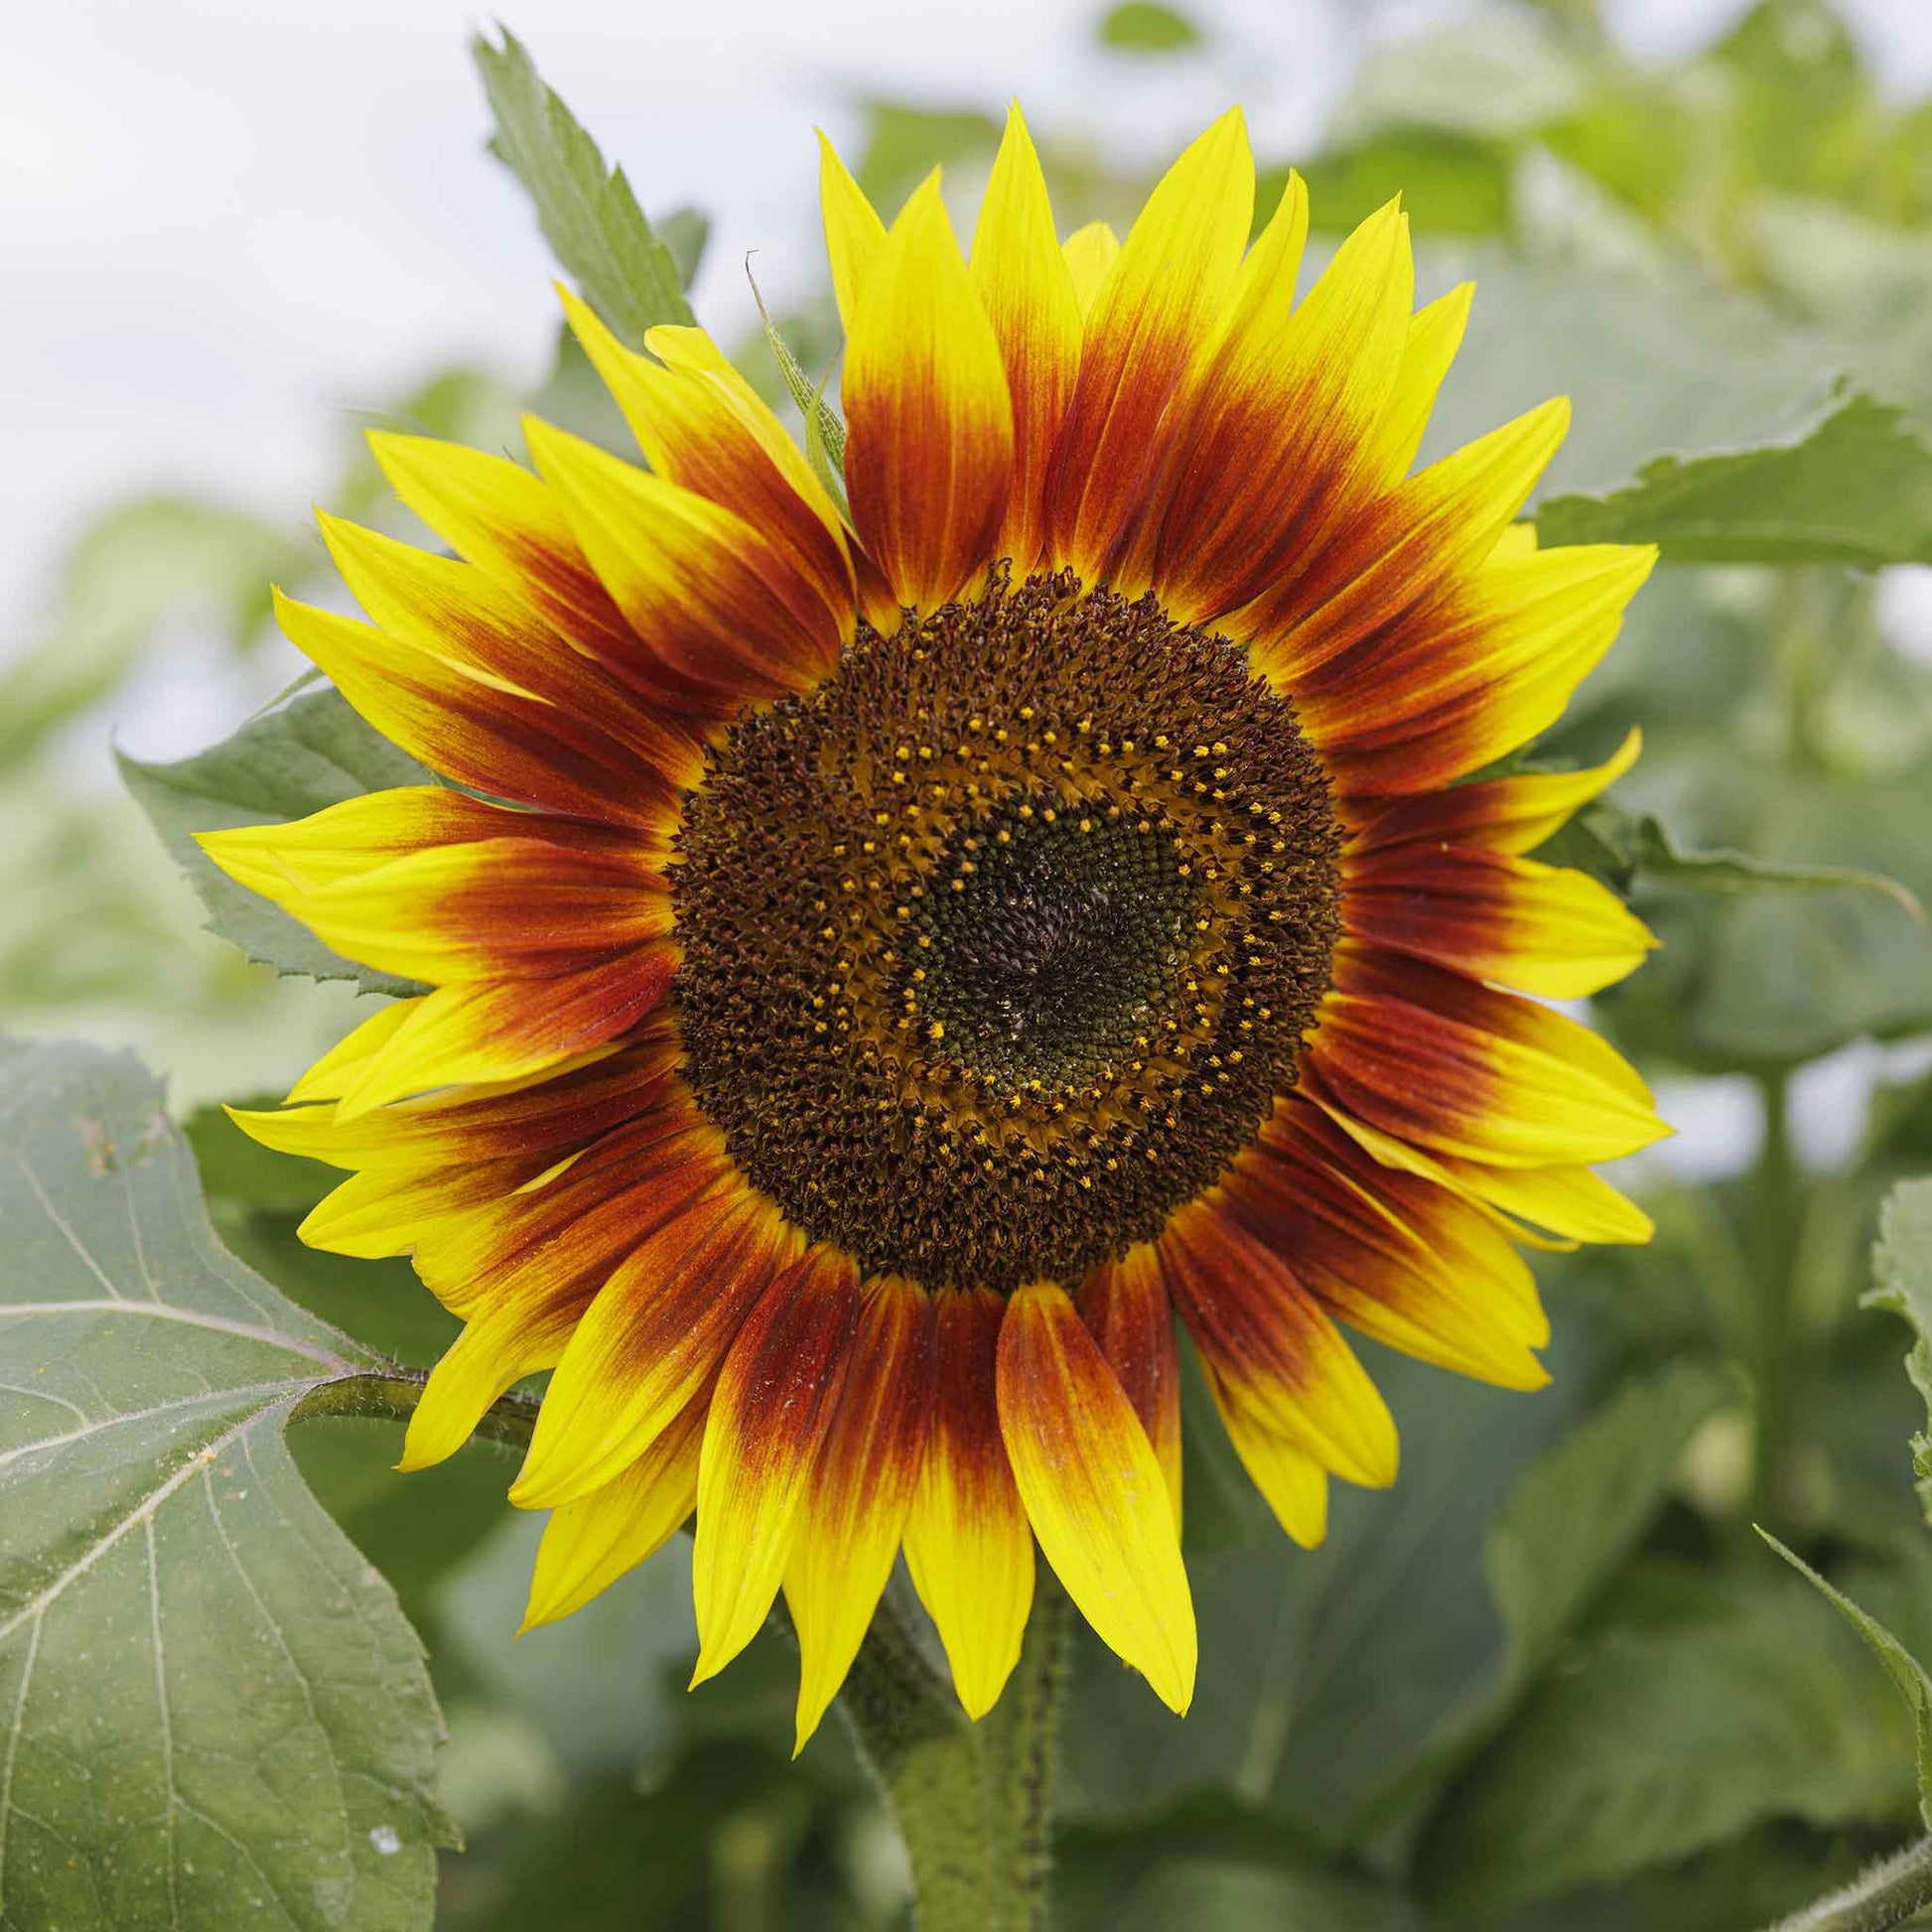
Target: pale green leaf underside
{"x": 1731, "y": 873}
{"x": 1853, "y": 485}
{"x": 1903, "y": 1266}
{"x": 1626, "y": 849}
{"x": 311, "y": 753}
{"x": 212, "y": 1714}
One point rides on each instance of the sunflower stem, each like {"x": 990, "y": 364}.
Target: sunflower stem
{"x": 1892, "y": 1891}
{"x": 1022, "y": 1751}
{"x": 974, "y": 1802}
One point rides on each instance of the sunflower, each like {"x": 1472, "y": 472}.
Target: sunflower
{"x": 892, "y": 955}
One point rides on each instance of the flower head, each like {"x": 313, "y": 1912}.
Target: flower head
{"x": 888, "y": 960}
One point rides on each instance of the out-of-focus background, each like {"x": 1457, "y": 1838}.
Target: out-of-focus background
{"x": 236, "y": 234}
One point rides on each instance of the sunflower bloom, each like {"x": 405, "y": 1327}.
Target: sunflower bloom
{"x": 891, "y": 958}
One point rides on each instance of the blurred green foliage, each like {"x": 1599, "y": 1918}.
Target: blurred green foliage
{"x": 1551, "y": 1679}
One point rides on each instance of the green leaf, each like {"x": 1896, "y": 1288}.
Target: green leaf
{"x": 1667, "y": 1735}
{"x": 313, "y": 751}
{"x": 1852, "y": 486}
{"x": 237, "y": 1172}
{"x": 1573, "y": 1519}
{"x": 1582, "y": 1508}
{"x": 217, "y": 1716}
{"x": 824, "y": 432}
{"x": 1784, "y": 897}
{"x": 626, "y": 272}
{"x": 258, "y": 1199}
{"x": 1144, "y": 27}
{"x": 1751, "y": 1879}
{"x": 417, "y": 1529}
{"x": 1902, "y": 1263}
{"x": 686, "y": 232}
{"x": 721, "y": 1835}
{"x": 1905, "y": 1671}
{"x": 1626, "y": 849}
{"x": 1663, "y": 359}
{"x": 1657, "y": 859}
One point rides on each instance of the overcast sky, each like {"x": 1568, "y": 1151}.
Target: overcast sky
{"x": 228, "y": 225}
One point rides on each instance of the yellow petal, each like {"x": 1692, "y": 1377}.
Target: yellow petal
{"x": 1166, "y": 291}
{"x": 652, "y": 1338}
{"x": 1093, "y": 1490}
{"x": 494, "y": 1354}
{"x": 929, "y": 455}
{"x": 776, "y": 1398}
{"x": 1438, "y": 525}
{"x": 507, "y": 1029}
{"x": 701, "y": 425}
{"x": 1090, "y": 255}
{"x": 1294, "y": 1484}
{"x": 967, "y": 1543}
{"x": 1027, "y": 293}
{"x": 326, "y": 1081}
{"x": 855, "y": 238}
{"x": 589, "y": 1544}
{"x": 707, "y": 593}
{"x": 861, "y": 1491}
{"x": 1435, "y": 335}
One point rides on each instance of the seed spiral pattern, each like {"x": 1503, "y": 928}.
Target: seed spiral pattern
{"x": 1001, "y": 942}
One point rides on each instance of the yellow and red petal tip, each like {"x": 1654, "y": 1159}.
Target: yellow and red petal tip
{"x": 1027, "y": 291}
{"x": 1126, "y": 1308}
{"x": 968, "y": 1544}
{"x": 1094, "y": 1491}
{"x": 861, "y": 1491}
{"x": 589, "y": 1544}
{"x": 855, "y": 238}
{"x": 655, "y": 1333}
{"x": 776, "y": 1398}
{"x": 928, "y": 457}
{"x": 1165, "y": 290}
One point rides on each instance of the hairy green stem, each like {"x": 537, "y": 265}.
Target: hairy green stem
{"x": 974, "y": 1802}
{"x": 1892, "y": 1891}
{"x": 390, "y": 1394}
{"x": 1022, "y": 1757}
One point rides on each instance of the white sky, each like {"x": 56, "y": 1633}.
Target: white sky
{"x": 227, "y": 224}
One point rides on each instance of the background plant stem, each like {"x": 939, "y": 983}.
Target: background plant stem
{"x": 1890, "y": 1893}
{"x": 1775, "y": 1203}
